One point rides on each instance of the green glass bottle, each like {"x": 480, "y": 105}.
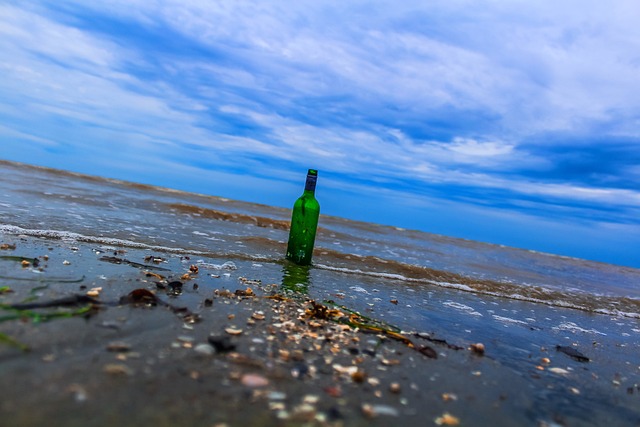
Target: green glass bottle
{"x": 304, "y": 222}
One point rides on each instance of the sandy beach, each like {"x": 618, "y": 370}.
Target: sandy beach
{"x": 170, "y": 339}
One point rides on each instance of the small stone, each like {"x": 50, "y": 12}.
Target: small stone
{"x": 449, "y": 397}
{"x": 394, "y": 388}
{"x": 205, "y": 349}
{"x": 359, "y": 376}
{"x": 118, "y": 347}
{"x": 117, "y": 369}
{"x": 254, "y": 380}
{"x": 477, "y": 348}
{"x": 65, "y": 262}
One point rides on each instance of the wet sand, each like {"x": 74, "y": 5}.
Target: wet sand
{"x": 150, "y": 340}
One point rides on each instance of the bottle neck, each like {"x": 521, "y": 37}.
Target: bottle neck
{"x": 310, "y": 185}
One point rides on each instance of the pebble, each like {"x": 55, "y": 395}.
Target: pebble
{"x": 372, "y": 411}
{"x": 559, "y": 371}
{"x": 205, "y": 349}
{"x": 117, "y": 369}
{"x": 254, "y": 380}
{"x": 118, "y": 347}
{"x": 477, "y": 348}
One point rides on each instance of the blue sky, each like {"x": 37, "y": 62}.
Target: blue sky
{"x": 512, "y": 122}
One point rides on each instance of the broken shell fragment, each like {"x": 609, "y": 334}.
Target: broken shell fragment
{"x": 258, "y": 315}
{"x": 117, "y": 369}
{"x": 233, "y": 331}
{"x": 94, "y": 292}
{"x": 447, "y": 419}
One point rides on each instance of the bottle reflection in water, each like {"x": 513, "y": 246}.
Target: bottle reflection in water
{"x": 295, "y": 278}
{"x": 304, "y": 222}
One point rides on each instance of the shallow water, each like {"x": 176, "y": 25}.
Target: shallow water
{"x": 39, "y": 201}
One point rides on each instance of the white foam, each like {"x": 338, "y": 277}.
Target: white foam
{"x": 467, "y": 288}
{"x": 509, "y": 320}
{"x": 69, "y": 236}
{"x": 572, "y": 327}
{"x": 462, "y": 307}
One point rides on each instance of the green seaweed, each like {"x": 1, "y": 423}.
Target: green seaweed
{"x": 44, "y": 279}
{"x": 17, "y": 313}
{"x": 6, "y": 339}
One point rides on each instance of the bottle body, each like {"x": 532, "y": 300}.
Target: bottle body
{"x": 304, "y": 223}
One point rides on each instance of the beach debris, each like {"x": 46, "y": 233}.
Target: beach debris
{"x": 477, "y": 348}
{"x": 156, "y": 275}
{"x": 118, "y": 347}
{"x": 175, "y": 288}
{"x": 258, "y": 315}
{"x": 428, "y": 351}
{"x": 116, "y": 260}
{"x": 245, "y": 292}
{"x": 22, "y": 260}
{"x": 233, "y": 331}
{"x": 359, "y": 376}
{"x": 438, "y": 341}
{"x": 140, "y": 296}
{"x": 12, "y": 342}
{"x": 559, "y": 371}
{"x": 254, "y": 380}
{"x": 66, "y": 262}
{"x": 204, "y": 349}
{"x": 449, "y": 397}
{"x": 447, "y": 419}
{"x": 145, "y": 297}
{"x": 94, "y": 292}
{"x": 5, "y": 290}
{"x": 73, "y": 300}
{"x": 117, "y": 369}
{"x": 572, "y": 353}
{"x": 154, "y": 259}
{"x": 222, "y": 344}
{"x": 395, "y": 388}
{"x": 373, "y": 411}
{"x": 7, "y": 247}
